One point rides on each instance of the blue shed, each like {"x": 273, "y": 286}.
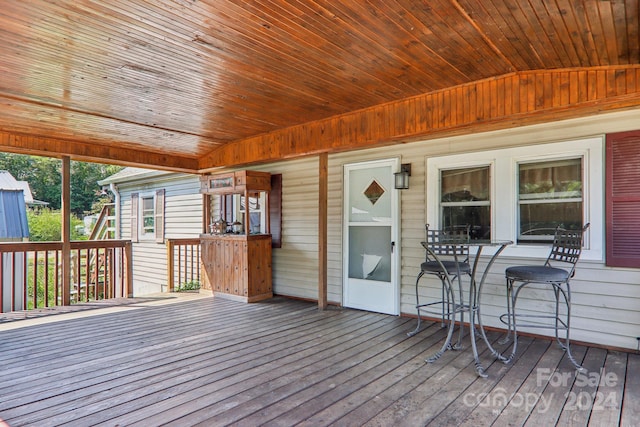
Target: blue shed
{"x": 13, "y": 227}
{"x": 13, "y": 215}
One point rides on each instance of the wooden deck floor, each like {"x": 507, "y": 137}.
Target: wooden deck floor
{"x": 282, "y": 362}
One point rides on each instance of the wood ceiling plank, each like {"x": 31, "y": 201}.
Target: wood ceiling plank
{"x": 596, "y": 30}
{"x": 632, "y": 13}
{"x": 383, "y": 34}
{"x": 184, "y": 77}
{"x": 287, "y": 54}
{"x": 451, "y": 33}
{"x": 346, "y": 132}
{"x": 497, "y": 29}
{"x": 557, "y": 28}
{"x": 608, "y": 23}
{"x": 29, "y": 118}
{"x": 532, "y": 42}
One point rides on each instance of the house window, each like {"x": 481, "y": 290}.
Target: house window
{"x": 549, "y": 195}
{"x": 521, "y": 194}
{"x": 257, "y": 213}
{"x": 147, "y": 217}
{"x": 465, "y": 200}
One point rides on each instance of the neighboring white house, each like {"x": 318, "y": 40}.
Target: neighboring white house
{"x": 8, "y": 182}
{"x": 605, "y": 299}
{"x": 169, "y": 205}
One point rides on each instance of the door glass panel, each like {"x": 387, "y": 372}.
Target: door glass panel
{"x": 370, "y": 195}
{"x": 370, "y": 253}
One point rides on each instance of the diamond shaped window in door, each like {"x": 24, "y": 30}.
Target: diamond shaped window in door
{"x": 373, "y": 192}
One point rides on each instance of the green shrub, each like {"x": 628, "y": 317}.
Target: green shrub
{"x": 46, "y": 226}
{"x": 192, "y": 285}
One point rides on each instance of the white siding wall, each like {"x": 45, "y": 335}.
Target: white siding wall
{"x": 606, "y": 300}
{"x": 295, "y": 264}
{"x": 183, "y": 218}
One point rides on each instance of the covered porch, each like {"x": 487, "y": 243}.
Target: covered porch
{"x": 184, "y": 359}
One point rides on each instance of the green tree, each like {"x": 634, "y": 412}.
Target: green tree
{"x": 44, "y": 177}
{"x": 85, "y": 192}
{"x": 42, "y": 174}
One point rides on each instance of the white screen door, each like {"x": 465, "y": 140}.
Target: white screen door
{"x": 371, "y": 246}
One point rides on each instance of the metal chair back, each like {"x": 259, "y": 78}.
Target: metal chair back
{"x": 566, "y": 249}
{"x": 437, "y": 241}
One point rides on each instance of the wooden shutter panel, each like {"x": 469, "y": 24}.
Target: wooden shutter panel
{"x": 135, "y": 197}
{"x": 623, "y": 199}
{"x": 275, "y": 211}
{"x": 159, "y": 216}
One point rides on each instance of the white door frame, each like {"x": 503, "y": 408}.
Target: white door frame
{"x": 394, "y": 165}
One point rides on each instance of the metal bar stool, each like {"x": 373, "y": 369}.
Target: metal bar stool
{"x": 556, "y": 272}
{"x": 446, "y": 259}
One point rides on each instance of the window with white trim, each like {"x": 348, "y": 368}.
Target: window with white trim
{"x": 549, "y": 195}
{"x": 147, "y": 216}
{"x": 521, "y": 194}
{"x": 465, "y": 200}
{"x": 257, "y": 214}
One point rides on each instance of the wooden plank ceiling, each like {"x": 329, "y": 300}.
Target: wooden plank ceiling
{"x": 197, "y": 84}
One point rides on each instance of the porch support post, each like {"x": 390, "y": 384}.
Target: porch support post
{"x": 322, "y": 229}
{"x": 66, "y": 230}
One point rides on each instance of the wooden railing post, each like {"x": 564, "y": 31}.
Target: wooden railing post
{"x": 323, "y": 166}
{"x": 170, "y": 266}
{"x": 66, "y": 230}
{"x": 129, "y": 269}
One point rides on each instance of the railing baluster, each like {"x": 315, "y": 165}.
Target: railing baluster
{"x": 32, "y": 282}
{"x": 191, "y": 274}
{"x": 179, "y": 264}
{"x": 185, "y": 255}
{"x": 35, "y": 279}
{"x": 23, "y": 282}
{"x": 56, "y": 292}
{"x": 46, "y": 278}
{"x": 86, "y": 277}
{"x": 13, "y": 281}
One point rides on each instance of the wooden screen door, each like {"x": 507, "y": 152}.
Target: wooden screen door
{"x": 370, "y": 247}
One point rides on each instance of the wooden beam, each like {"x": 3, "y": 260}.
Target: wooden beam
{"x": 94, "y": 152}
{"x": 498, "y": 103}
{"x": 323, "y": 193}
{"x": 66, "y": 230}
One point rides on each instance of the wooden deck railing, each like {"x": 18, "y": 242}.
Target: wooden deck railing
{"x": 183, "y": 262}
{"x": 31, "y": 273}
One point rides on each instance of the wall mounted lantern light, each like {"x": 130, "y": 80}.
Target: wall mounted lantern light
{"x": 402, "y": 177}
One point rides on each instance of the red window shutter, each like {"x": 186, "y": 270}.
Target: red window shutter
{"x": 623, "y": 199}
